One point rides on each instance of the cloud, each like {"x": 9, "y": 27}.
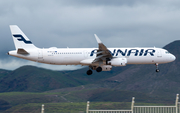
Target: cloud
{"x": 118, "y": 23}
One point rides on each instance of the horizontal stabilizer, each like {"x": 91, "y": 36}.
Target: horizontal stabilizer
{"x": 22, "y": 51}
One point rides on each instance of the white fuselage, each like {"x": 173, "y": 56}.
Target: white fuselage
{"x": 99, "y": 59}
{"x": 74, "y": 56}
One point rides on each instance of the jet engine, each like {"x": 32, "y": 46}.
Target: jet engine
{"x": 118, "y": 62}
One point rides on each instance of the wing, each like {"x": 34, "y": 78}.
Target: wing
{"x": 102, "y": 53}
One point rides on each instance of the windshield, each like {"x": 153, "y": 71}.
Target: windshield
{"x": 167, "y": 52}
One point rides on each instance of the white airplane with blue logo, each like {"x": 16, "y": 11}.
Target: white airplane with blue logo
{"x": 99, "y": 59}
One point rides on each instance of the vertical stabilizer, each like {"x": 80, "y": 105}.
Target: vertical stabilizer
{"x": 21, "y": 41}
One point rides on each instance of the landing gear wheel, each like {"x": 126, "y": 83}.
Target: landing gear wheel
{"x": 157, "y": 70}
{"x": 89, "y": 72}
{"x": 99, "y": 69}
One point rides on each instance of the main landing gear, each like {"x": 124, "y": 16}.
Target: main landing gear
{"x": 89, "y": 72}
{"x": 157, "y": 69}
{"x": 98, "y": 69}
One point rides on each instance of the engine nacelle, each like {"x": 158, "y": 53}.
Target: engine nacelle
{"x": 106, "y": 68}
{"x": 118, "y": 62}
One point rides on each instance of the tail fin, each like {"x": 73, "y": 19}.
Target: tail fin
{"x": 21, "y": 41}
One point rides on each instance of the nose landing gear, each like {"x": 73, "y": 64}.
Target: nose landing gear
{"x": 157, "y": 69}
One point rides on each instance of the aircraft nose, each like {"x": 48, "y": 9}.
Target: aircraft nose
{"x": 173, "y": 57}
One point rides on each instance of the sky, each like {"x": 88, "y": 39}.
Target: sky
{"x": 73, "y": 23}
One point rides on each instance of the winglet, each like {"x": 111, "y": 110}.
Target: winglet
{"x": 98, "y": 40}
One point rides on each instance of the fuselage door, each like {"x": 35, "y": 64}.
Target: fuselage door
{"x": 40, "y": 54}
{"x": 159, "y": 54}
{"x": 85, "y": 54}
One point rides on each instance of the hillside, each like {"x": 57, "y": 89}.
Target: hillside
{"x": 33, "y": 79}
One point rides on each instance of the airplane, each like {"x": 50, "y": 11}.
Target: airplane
{"x": 99, "y": 59}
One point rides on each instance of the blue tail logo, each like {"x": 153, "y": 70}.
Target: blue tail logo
{"x": 21, "y": 38}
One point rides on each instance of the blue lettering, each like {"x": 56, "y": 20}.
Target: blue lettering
{"x": 141, "y": 52}
{"x": 92, "y": 52}
{"x": 113, "y": 52}
{"x": 122, "y": 53}
{"x": 131, "y": 51}
{"x": 150, "y": 51}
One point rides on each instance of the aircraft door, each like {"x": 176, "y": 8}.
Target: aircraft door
{"x": 40, "y": 55}
{"x": 159, "y": 54}
{"x": 85, "y": 54}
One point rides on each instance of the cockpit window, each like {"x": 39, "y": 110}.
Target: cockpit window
{"x": 167, "y": 52}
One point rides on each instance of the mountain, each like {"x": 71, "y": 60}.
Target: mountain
{"x": 33, "y": 79}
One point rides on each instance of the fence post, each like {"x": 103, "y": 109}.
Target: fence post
{"x": 87, "y": 109}
{"x": 176, "y": 104}
{"x": 132, "y": 105}
{"x": 42, "y": 109}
